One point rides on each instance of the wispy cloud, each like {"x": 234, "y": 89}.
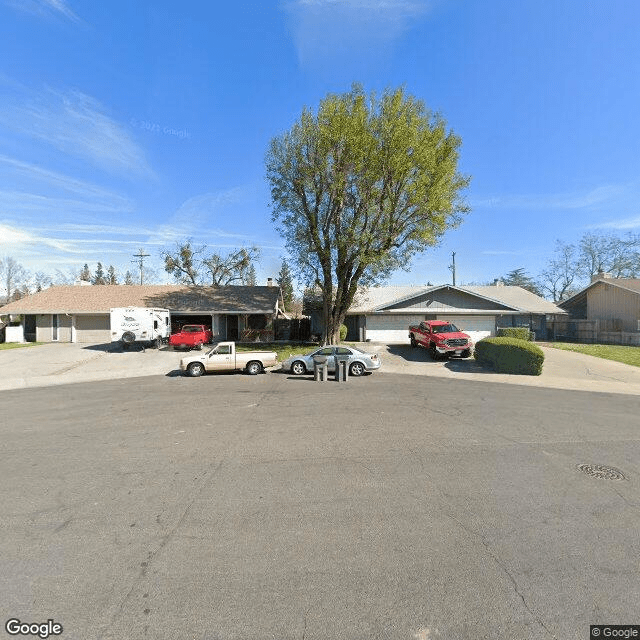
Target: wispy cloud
{"x": 572, "y": 200}
{"x": 45, "y": 7}
{"x": 76, "y": 124}
{"x": 346, "y": 29}
{"x": 622, "y": 224}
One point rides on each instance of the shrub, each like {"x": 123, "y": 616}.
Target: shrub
{"x": 343, "y": 332}
{"x": 522, "y": 333}
{"x": 510, "y": 355}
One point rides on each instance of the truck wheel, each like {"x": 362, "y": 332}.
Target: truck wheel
{"x": 413, "y": 341}
{"x": 254, "y": 368}
{"x": 195, "y": 369}
{"x": 298, "y": 368}
{"x": 433, "y": 353}
{"x": 356, "y": 369}
{"x": 466, "y": 353}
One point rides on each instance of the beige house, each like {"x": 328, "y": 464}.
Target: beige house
{"x": 81, "y": 313}
{"x": 609, "y": 308}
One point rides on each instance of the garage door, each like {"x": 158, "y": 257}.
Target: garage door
{"x": 477, "y": 327}
{"x": 391, "y": 328}
{"x": 93, "y": 329}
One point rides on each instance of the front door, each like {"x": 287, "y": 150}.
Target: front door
{"x": 232, "y": 328}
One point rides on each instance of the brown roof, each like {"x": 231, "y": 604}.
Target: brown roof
{"x": 177, "y": 298}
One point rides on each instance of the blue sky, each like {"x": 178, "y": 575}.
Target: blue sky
{"x": 128, "y": 125}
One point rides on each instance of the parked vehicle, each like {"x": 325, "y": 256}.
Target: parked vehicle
{"x": 224, "y": 357}
{"x": 191, "y": 336}
{"x": 442, "y": 338}
{"x": 140, "y": 325}
{"x": 357, "y": 361}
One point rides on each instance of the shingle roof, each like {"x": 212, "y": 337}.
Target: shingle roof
{"x": 101, "y": 298}
{"x": 517, "y": 298}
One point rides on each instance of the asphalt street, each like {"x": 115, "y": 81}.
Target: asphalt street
{"x": 392, "y": 507}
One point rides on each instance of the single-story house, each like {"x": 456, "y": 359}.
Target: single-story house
{"x": 609, "y": 306}
{"x": 383, "y": 314}
{"x": 72, "y": 313}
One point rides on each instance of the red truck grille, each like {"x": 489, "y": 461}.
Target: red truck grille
{"x": 456, "y": 342}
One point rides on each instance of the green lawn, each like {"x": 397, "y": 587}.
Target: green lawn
{"x": 17, "y": 345}
{"x": 619, "y": 353}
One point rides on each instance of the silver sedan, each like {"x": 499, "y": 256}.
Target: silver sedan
{"x": 358, "y": 361}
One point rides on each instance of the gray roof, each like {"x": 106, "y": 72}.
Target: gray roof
{"x": 516, "y": 298}
{"x": 176, "y": 298}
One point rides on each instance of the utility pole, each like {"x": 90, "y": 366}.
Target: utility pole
{"x": 141, "y": 256}
{"x": 452, "y": 266}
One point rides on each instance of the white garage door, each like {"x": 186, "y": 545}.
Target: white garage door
{"x": 391, "y": 328}
{"x": 477, "y": 327}
{"x": 93, "y": 329}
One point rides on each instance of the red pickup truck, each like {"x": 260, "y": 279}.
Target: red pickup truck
{"x": 191, "y": 336}
{"x": 442, "y": 338}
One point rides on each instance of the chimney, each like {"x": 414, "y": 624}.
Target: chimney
{"x": 269, "y": 282}
{"x": 601, "y": 275}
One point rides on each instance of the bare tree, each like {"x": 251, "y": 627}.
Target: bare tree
{"x": 13, "y": 274}
{"x": 234, "y": 267}
{"x": 559, "y": 277}
{"x": 188, "y": 264}
{"x": 609, "y": 253}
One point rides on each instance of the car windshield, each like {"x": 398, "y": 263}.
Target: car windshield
{"x": 191, "y": 329}
{"x": 446, "y": 328}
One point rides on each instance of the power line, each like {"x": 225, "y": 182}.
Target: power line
{"x": 141, "y": 256}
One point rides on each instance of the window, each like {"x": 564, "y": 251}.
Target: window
{"x": 327, "y": 351}
{"x": 343, "y": 351}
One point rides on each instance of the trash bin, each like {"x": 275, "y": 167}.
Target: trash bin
{"x": 320, "y": 368}
{"x": 342, "y": 368}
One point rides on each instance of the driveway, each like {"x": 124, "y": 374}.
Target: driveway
{"x": 53, "y": 364}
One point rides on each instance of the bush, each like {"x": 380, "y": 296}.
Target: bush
{"x": 521, "y": 333}
{"x": 343, "y": 332}
{"x": 510, "y": 355}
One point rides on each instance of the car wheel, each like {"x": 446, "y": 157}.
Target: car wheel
{"x": 195, "y": 369}
{"x": 413, "y": 342}
{"x": 356, "y": 369}
{"x": 466, "y": 353}
{"x": 298, "y": 368}
{"x": 254, "y": 368}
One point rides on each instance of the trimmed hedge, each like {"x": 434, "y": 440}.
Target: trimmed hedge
{"x": 522, "y": 333}
{"x": 510, "y": 355}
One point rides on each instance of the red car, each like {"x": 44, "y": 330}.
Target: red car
{"x": 191, "y": 336}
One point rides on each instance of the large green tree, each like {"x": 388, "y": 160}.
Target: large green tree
{"x": 361, "y": 186}
{"x": 285, "y": 282}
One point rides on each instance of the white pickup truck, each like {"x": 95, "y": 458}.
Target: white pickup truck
{"x": 224, "y": 357}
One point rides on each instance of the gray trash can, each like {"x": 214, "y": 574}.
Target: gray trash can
{"x": 342, "y": 368}
{"x": 320, "y": 368}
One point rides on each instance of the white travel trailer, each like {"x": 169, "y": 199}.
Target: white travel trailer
{"x": 130, "y": 325}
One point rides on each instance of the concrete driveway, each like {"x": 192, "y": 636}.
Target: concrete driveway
{"x": 53, "y": 364}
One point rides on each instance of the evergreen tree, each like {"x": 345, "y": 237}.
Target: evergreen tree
{"x": 99, "y": 277}
{"x": 285, "y": 281}
{"x": 85, "y": 274}
{"x": 128, "y": 278}
{"x": 112, "y": 277}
